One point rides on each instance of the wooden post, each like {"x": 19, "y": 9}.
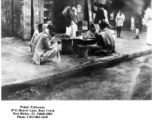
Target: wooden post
{"x": 12, "y": 18}
{"x": 32, "y": 18}
{"x": 89, "y": 11}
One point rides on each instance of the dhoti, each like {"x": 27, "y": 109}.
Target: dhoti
{"x": 149, "y": 34}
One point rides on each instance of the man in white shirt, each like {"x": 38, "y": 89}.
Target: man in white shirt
{"x": 120, "y": 18}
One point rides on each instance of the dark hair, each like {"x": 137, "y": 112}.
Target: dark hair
{"x": 52, "y": 28}
{"x": 103, "y": 25}
{"x": 92, "y": 25}
{"x": 40, "y": 26}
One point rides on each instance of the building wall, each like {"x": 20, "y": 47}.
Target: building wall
{"x": 38, "y": 12}
{"x": 6, "y": 17}
{"x": 48, "y": 10}
{"x": 26, "y": 11}
{"x": 17, "y": 18}
{"x": 16, "y": 15}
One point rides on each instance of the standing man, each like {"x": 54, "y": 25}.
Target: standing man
{"x": 70, "y": 14}
{"x": 101, "y": 14}
{"x": 106, "y": 39}
{"x": 138, "y": 23}
{"x": 120, "y": 18}
{"x": 148, "y": 23}
{"x": 46, "y": 49}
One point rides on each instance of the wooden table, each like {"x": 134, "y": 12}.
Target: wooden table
{"x": 67, "y": 46}
{"x": 77, "y": 45}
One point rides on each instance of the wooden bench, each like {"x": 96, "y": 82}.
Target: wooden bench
{"x": 80, "y": 46}
{"x": 84, "y": 49}
{"x": 83, "y": 42}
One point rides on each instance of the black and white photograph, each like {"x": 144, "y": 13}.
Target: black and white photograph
{"x": 76, "y": 51}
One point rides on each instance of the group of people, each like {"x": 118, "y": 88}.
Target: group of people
{"x": 136, "y": 23}
{"x": 100, "y": 28}
{"x": 43, "y": 46}
{"x": 105, "y": 40}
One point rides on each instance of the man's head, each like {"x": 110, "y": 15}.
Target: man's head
{"x": 40, "y": 29}
{"x": 120, "y": 12}
{"x": 101, "y": 1}
{"x": 103, "y": 25}
{"x": 72, "y": 3}
{"x": 49, "y": 23}
{"x": 52, "y": 30}
{"x": 74, "y": 10}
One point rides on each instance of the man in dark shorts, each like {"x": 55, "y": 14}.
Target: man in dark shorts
{"x": 138, "y": 23}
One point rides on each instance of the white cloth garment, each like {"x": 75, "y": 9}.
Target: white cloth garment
{"x": 113, "y": 34}
{"x": 132, "y": 24}
{"x": 148, "y": 22}
{"x": 71, "y": 30}
{"x": 74, "y": 29}
{"x": 120, "y": 19}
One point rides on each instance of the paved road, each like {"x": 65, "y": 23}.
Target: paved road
{"x": 16, "y": 56}
{"x": 127, "y": 81}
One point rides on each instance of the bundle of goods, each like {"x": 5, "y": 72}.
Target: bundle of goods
{"x": 64, "y": 36}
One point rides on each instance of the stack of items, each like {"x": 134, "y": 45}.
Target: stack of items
{"x": 82, "y": 27}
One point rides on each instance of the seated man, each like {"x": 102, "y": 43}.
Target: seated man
{"x": 34, "y": 37}
{"x": 105, "y": 41}
{"x": 37, "y": 37}
{"x": 46, "y": 49}
{"x": 92, "y": 32}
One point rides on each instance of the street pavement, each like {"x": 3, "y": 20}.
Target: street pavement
{"x": 19, "y": 70}
{"x": 129, "y": 80}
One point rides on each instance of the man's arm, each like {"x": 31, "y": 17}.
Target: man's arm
{"x": 64, "y": 12}
{"x": 97, "y": 4}
{"x": 47, "y": 42}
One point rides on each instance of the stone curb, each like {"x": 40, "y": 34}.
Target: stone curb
{"x": 56, "y": 78}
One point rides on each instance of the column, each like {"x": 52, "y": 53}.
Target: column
{"x": 26, "y": 19}
{"x": 12, "y": 18}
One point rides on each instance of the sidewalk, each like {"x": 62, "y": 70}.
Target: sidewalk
{"x": 19, "y": 72}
